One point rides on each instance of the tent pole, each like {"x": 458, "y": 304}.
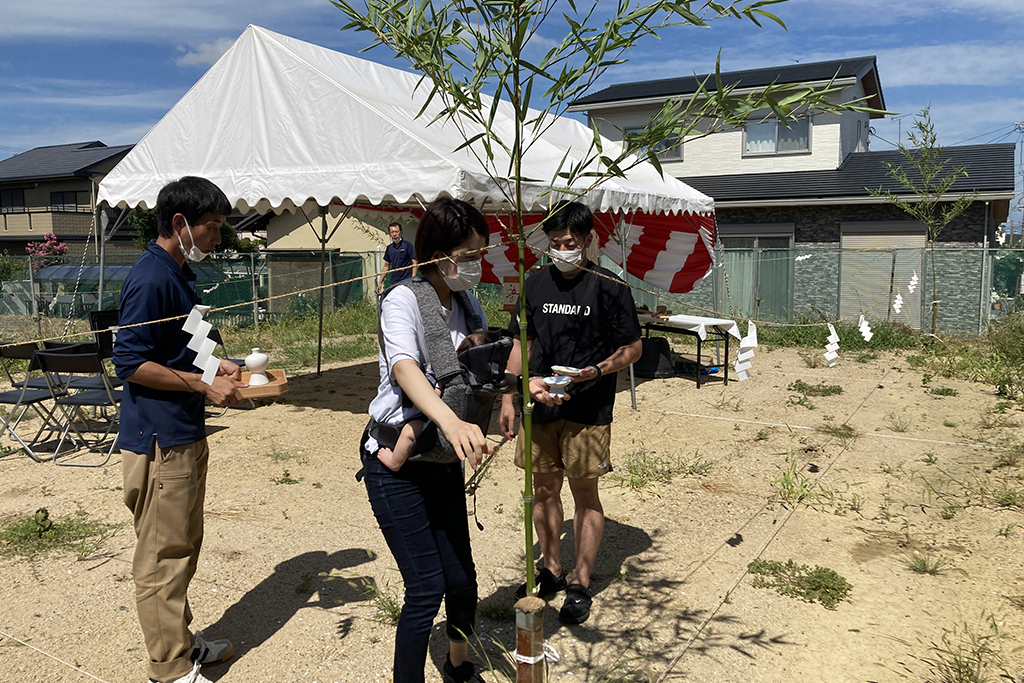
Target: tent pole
{"x": 622, "y": 247}
{"x": 323, "y": 252}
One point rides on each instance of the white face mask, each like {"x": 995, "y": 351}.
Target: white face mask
{"x": 195, "y": 253}
{"x": 396, "y": 241}
{"x": 467, "y": 277}
{"x": 573, "y": 259}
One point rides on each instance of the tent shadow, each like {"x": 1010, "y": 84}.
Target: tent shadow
{"x": 348, "y": 389}
{"x": 262, "y": 611}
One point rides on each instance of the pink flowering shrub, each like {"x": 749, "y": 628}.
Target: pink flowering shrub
{"x": 50, "y": 246}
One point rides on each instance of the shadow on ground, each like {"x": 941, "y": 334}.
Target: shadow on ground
{"x": 348, "y": 389}
{"x": 300, "y": 582}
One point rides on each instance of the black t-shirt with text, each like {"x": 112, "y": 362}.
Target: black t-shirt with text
{"x": 561, "y": 310}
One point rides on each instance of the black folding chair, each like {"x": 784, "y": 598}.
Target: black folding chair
{"x": 100, "y": 323}
{"x": 10, "y": 354}
{"x": 76, "y": 382}
{"x": 23, "y": 396}
{"x": 107, "y": 400}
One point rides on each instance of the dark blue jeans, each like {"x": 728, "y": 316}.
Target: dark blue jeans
{"x": 422, "y": 511}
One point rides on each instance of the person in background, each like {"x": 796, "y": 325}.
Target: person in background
{"x": 586, "y": 321}
{"x": 399, "y": 254}
{"x": 162, "y": 430}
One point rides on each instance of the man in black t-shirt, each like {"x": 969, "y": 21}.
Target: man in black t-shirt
{"x": 578, "y": 319}
{"x": 399, "y": 254}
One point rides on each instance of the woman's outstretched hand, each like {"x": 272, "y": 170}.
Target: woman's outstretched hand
{"x": 468, "y": 441}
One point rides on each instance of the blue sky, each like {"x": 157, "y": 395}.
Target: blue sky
{"x": 109, "y": 69}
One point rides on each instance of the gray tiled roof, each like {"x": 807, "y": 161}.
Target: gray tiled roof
{"x": 989, "y": 168}
{"x": 857, "y": 67}
{"x": 58, "y": 161}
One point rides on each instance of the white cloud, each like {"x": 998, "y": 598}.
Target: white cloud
{"x": 63, "y": 92}
{"x": 852, "y": 13}
{"x": 204, "y": 53}
{"x": 169, "y": 20}
{"x": 955, "y": 64}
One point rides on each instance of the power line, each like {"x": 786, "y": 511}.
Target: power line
{"x": 991, "y": 132}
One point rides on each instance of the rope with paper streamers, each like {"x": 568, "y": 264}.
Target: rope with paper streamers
{"x": 372, "y": 276}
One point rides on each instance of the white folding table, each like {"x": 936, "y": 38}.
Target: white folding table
{"x": 695, "y": 326}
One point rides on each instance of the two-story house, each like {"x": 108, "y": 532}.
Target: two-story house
{"x": 797, "y": 227}
{"x": 53, "y": 189}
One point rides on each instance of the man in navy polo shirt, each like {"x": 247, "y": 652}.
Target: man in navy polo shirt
{"x": 399, "y": 254}
{"x": 162, "y": 429}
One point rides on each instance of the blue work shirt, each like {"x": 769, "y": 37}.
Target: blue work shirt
{"x": 157, "y": 288}
{"x": 400, "y": 257}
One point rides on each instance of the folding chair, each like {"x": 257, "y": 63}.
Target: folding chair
{"x": 24, "y": 352}
{"x": 23, "y": 396}
{"x": 100, "y": 323}
{"x": 82, "y": 383}
{"x": 82, "y": 364}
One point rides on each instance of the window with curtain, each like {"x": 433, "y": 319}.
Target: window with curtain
{"x": 757, "y": 274}
{"x": 771, "y": 137}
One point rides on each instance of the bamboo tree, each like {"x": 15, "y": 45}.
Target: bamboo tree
{"x": 931, "y": 185}
{"x": 473, "y": 57}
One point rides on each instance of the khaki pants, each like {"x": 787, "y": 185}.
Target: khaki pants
{"x": 165, "y": 492}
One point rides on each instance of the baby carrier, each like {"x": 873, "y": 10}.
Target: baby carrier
{"x": 469, "y": 382}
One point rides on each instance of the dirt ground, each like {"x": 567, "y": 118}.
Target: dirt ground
{"x": 287, "y": 568}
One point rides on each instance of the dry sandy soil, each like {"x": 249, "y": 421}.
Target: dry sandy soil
{"x": 286, "y": 567}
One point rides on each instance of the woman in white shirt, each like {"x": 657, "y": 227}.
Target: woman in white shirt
{"x": 421, "y": 508}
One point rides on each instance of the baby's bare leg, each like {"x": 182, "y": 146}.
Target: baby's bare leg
{"x": 394, "y": 459}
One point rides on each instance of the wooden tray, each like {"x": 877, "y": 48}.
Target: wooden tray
{"x": 278, "y": 385}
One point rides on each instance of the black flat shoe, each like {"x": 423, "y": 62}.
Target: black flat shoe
{"x": 547, "y": 584}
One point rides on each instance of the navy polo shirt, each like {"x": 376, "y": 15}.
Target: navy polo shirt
{"x": 156, "y": 288}
{"x": 400, "y": 257}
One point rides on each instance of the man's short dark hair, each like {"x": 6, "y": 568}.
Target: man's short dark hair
{"x": 190, "y": 196}
{"x": 446, "y": 224}
{"x": 573, "y": 216}
{"x": 395, "y": 224}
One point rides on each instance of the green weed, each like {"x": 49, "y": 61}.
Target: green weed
{"x": 286, "y": 478}
{"x": 929, "y": 458}
{"x": 645, "y": 469}
{"x": 845, "y": 433}
{"x": 386, "y": 602}
{"x": 820, "y": 584}
{"x": 1007, "y": 531}
{"x": 37, "y": 535}
{"x": 792, "y": 486}
{"x": 965, "y": 654}
{"x": 897, "y": 423}
{"x": 820, "y": 389}
{"x": 943, "y": 391}
{"x": 926, "y": 564}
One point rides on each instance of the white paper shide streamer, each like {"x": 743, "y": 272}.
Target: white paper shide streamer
{"x": 832, "y": 348}
{"x": 865, "y": 329}
{"x": 897, "y": 303}
{"x": 746, "y": 352}
{"x": 912, "y": 285}
{"x": 201, "y": 343}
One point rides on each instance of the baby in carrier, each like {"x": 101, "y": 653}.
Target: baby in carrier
{"x": 420, "y": 436}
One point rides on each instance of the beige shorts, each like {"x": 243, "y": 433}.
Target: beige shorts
{"x": 581, "y": 451}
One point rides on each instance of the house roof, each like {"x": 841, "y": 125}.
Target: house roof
{"x": 989, "y": 169}
{"x": 862, "y": 68}
{"x": 59, "y": 161}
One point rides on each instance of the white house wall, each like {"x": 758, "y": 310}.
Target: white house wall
{"x": 722, "y": 153}
{"x": 849, "y": 129}
{"x": 363, "y": 230}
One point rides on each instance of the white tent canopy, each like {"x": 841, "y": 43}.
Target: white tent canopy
{"x": 278, "y": 123}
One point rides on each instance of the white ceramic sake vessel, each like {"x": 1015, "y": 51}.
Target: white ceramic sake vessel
{"x": 257, "y": 362}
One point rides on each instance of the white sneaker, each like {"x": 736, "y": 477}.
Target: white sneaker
{"x": 191, "y": 677}
{"x": 211, "y": 651}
